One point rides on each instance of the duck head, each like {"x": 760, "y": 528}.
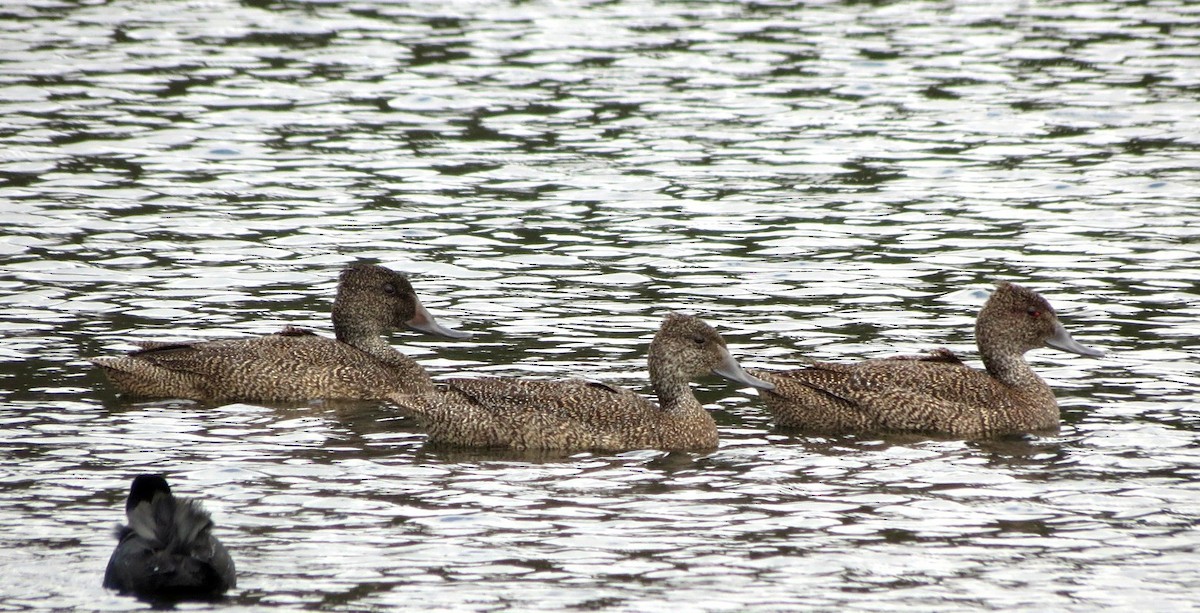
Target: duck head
{"x": 373, "y": 300}
{"x": 686, "y": 348}
{"x": 1020, "y": 319}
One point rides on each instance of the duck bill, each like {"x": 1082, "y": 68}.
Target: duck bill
{"x": 1062, "y": 341}
{"x": 730, "y": 369}
{"x": 424, "y": 322}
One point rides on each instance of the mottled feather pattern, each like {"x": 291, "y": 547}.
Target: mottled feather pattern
{"x": 941, "y": 354}
{"x": 934, "y": 393}
{"x": 584, "y": 415}
{"x": 565, "y": 414}
{"x": 295, "y": 364}
{"x": 281, "y": 368}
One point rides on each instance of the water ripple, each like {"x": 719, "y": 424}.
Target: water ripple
{"x": 833, "y": 180}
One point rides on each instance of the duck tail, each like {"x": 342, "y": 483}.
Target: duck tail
{"x": 156, "y": 515}
{"x": 167, "y": 550}
{"x": 176, "y": 525}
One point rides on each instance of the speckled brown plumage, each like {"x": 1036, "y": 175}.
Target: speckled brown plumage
{"x": 295, "y": 364}
{"x": 583, "y": 415}
{"x": 936, "y": 393}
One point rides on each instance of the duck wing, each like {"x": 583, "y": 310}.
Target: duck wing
{"x": 907, "y": 395}
{"x": 533, "y": 414}
{"x": 941, "y": 355}
{"x": 567, "y": 399}
{"x": 294, "y": 365}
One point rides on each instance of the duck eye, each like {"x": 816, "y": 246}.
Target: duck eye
{"x": 699, "y": 340}
{"x": 389, "y": 289}
{"x": 1033, "y": 312}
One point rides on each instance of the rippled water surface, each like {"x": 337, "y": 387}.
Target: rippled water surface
{"x": 824, "y": 179}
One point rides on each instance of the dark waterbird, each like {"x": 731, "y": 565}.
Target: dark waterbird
{"x": 295, "y": 364}
{"x": 936, "y": 394}
{"x": 167, "y": 551}
{"x": 585, "y": 415}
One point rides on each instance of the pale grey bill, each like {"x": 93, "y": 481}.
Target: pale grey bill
{"x": 424, "y": 322}
{"x": 730, "y": 369}
{"x": 1063, "y": 342}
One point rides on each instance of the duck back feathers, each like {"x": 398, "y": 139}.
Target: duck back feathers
{"x": 274, "y": 368}
{"x": 295, "y": 364}
{"x": 936, "y": 393}
{"x": 564, "y": 415}
{"x": 585, "y": 415}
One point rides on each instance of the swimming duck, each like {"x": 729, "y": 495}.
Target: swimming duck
{"x": 585, "y": 415}
{"x": 295, "y": 364}
{"x": 167, "y": 552}
{"x": 936, "y": 393}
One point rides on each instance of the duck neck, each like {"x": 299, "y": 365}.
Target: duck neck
{"x": 351, "y": 329}
{"x": 1007, "y": 364}
{"x": 1012, "y": 370}
{"x": 372, "y": 343}
{"x": 673, "y": 392}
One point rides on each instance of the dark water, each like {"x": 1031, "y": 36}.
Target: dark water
{"x": 825, "y": 179}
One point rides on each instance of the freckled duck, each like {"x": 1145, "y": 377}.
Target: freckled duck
{"x": 937, "y": 393}
{"x": 295, "y": 364}
{"x": 167, "y": 551}
{"x": 583, "y": 415}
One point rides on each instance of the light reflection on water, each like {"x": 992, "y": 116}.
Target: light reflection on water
{"x": 835, "y": 180}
